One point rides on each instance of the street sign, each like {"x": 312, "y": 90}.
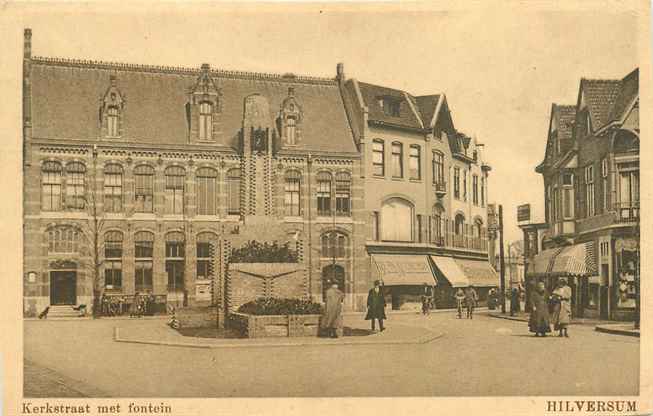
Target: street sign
{"x": 523, "y": 212}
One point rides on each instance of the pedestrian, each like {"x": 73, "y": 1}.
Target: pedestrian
{"x": 376, "y": 305}
{"x": 514, "y": 301}
{"x": 135, "y": 305}
{"x": 492, "y": 299}
{"x": 427, "y": 297}
{"x": 471, "y": 297}
{"x": 539, "y": 322}
{"x": 332, "y": 318}
{"x": 561, "y": 316}
{"x": 460, "y": 297}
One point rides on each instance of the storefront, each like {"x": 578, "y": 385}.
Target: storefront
{"x": 453, "y": 273}
{"x": 403, "y": 278}
{"x": 624, "y": 289}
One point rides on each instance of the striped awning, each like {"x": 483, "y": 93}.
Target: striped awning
{"x": 543, "y": 262}
{"x": 576, "y": 260}
{"x": 403, "y": 269}
{"x": 449, "y": 270}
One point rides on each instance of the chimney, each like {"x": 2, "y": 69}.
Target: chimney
{"x": 27, "y": 45}
{"x": 340, "y": 71}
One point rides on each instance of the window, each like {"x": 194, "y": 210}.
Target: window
{"x": 438, "y": 225}
{"x": 397, "y": 160}
{"x": 233, "y": 192}
{"x": 291, "y": 124}
{"x": 175, "y": 261}
{"x": 206, "y": 249}
{"x": 292, "y": 193}
{"x": 464, "y": 184}
{"x": 113, "y": 260}
{"x": 414, "y": 162}
{"x": 51, "y": 186}
{"x": 323, "y": 194}
{"x": 112, "y": 122}
{"x": 143, "y": 253}
{"x": 482, "y": 191}
{"x": 589, "y": 190}
{"x": 343, "y": 194}
{"x": 206, "y": 191}
{"x": 206, "y": 123}
{"x": 438, "y": 167}
{"x": 604, "y": 187}
{"x": 456, "y": 182}
{"x": 420, "y": 237}
{"x": 144, "y": 188}
{"x": 568, "y": 196}
{"x": 334, "y": 245}
{"x": 63, "y": 240}
{"x": 397, "y": 220}
{"x": 629, "y": 188}
{"x": 174, "y": 191}
{"x": 391, "y": 107}
{"x": 112, "y": 188}
{"x": 459, "y": 224}
{"x": 378, "y": 158}
{"x": 75, "y": 186}
{"x": 475, "y": 189}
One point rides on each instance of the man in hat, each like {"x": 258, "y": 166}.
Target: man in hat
{"x": 471, "y": 297}
{"x": 376, "y": 305}
{"x": 332, "y": 318}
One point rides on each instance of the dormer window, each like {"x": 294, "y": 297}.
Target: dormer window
{"x": 112, "y": 122}
{"x": 206, "y": 121}
{"x": 111, "y": 110}
{"x": 391, "y": 106}
{"x": 290, "y": 119}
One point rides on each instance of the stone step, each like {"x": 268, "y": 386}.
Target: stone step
{"x": 62, "y": 311}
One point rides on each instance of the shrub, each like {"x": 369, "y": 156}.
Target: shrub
{"x": 255, "y": 252}
{"x": 276, "y": 306}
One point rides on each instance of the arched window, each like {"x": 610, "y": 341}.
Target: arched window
{"x": 459, "y": 224}
{"x": 144, "y": 188}
{"x": 112, "y": 122}
{"x": 113, "y": 259}
{"x": 334, "y": 245}
{"x": 292, "y": 193}
{"x": 62, "y": 240}
{"x": 324, "y": 194}
{"x": 143, "y": 254}
{"x": 112, "y": 188}
{"x": 343, "y": 194}
{"x": 174, "y": 192}
{"x": 206, "y": 191}
{"x": 233, "y": 192}
{"x": 206, "y": 121}
{"x": 51, "y": 186}
{"x": 397, "y": 220}
{"x": 478, "y": 228}
{"x": 207, "y": 246}
{"x": 175, "y": 261}
{"x": 438, "y": 225}
{"x": 75, "y": 185}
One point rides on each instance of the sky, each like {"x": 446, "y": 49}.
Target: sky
{"x": 501, "y": 67}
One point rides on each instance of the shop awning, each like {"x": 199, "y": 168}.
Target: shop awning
{"x": 403, "y": 269}
{"x": 543, "y": 261}
{"x": 449, "y": 269}
{"x": 575, "y": 260}
{"x": 479, "y": 272}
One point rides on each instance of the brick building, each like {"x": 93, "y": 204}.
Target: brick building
{"x": 153, "y": 174}
{"x": 425, "y": 199}
{"x": 591, "y": 186}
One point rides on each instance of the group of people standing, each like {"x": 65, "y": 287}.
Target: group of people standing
{"x": 548, "y": 308}
{"x": 334, "y": 297}
{"x": 467, "y": 298}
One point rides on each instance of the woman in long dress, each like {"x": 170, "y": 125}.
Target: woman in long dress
{"x": 562, "y": 309}
{"x": 539, "y": 322}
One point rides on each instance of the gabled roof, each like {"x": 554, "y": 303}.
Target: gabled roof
{"x": 566, "y": 115}
{"x": 427, "y": 107}
{"x": 627, "y": 93}
{"x": 600, "y": 96}
{"x": 408, "y": 117}
{"x": 66, "y": 97}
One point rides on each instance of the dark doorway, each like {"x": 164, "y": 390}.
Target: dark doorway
{"x": 63, "y": 290}
{"x": 333, "y": 273}
{"x": 603, "y": 305}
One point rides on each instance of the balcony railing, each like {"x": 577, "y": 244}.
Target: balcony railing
{"x": 627, "y": 212}
{"x": 440, "y": 188}
{"x": 465, "y": 236}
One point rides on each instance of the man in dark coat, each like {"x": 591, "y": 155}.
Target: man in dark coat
{"x": 332, "y": 318}
{"x": 539, "y": 321}
{"x": 514, "y": 301}
{"x": 376, "y": 305}
{"x": 471, "y": 297}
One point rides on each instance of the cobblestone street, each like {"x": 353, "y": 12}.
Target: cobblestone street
{"x": 483, "y": 356}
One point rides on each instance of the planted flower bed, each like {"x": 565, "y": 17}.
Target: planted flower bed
{"x": 271, "y": 317}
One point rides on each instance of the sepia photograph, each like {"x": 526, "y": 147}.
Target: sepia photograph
{"x": 335, "y": 201}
